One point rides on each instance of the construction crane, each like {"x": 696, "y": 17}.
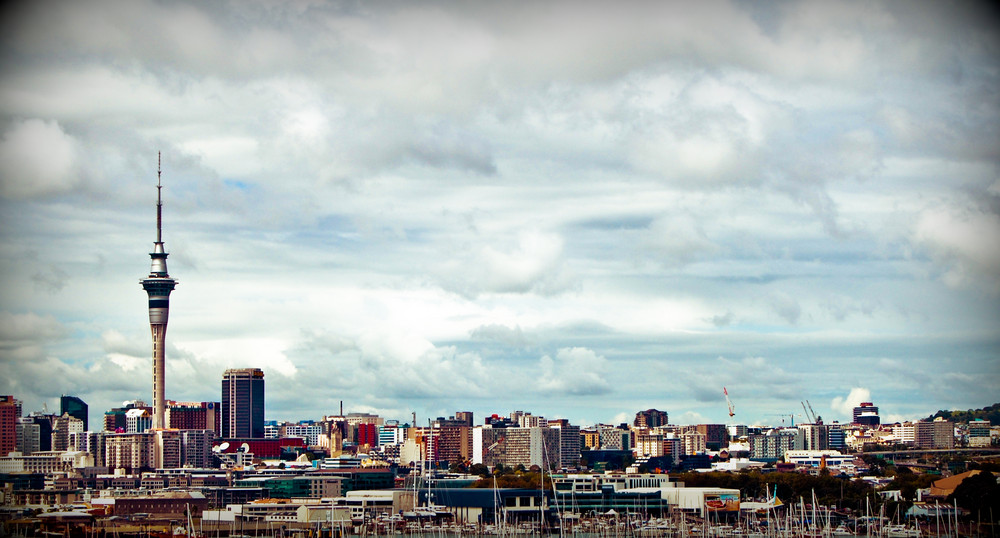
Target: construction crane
{"x": 791, "y": 417}
{"x": 815, "y": 418}
{"x": 806, "y": 411}
{"x": 728, "y": 402}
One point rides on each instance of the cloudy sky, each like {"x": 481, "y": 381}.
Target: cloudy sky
{"x": 577, "y": 209}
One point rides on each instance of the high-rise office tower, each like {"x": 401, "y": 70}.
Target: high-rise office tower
{"x": 8, "y": 424}
{"x": 866, "y": 414}
{"x": 243, "y": 403}
{"x": 466, "y": 417}
{"x": 651, "y": 418}
{"x": 62, "y": 427}
{"x": 75, "y": 407}
{"x": 158, "y": 286}
{"x": 28, "y": 436}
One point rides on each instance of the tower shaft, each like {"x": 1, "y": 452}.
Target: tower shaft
{"x": 158, "y": 286}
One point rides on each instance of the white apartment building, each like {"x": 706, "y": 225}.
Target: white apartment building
{"x": 137, "y": 421}
{"x": 309, "y": 432}
{"x": 613, "y": 438}
{"x": 130, "y": 451}
{"x": 694, "y": 442}
{"x": 815, "y": 458}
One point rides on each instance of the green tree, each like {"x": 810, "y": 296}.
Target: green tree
{"x": 479, "y": 469}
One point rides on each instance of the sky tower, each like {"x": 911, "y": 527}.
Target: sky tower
{"x": 158, "y": 285}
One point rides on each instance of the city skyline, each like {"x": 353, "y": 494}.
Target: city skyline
{"x": 578, "y": 210}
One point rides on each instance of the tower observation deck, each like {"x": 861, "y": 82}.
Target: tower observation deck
{"x": 158, "y": 286}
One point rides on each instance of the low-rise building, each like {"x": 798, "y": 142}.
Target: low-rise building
{"x": 818, "y": 458}
{"x": 45, "y": 462}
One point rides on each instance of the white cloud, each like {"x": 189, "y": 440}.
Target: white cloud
{"x": 407, "y": 206}
{"x": 531, "y": 262}
{"x": 575, "y": 371}
{"x": 29, "y": 328}
{"x": 844, "y": 405}
{"x": 690, "y": 417}
{"x": 965, "y": 242}
{"x": 37, "y": 158}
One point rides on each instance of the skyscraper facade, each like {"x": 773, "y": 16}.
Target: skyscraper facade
{"x": 75, "y": 407}
{"x": 158, "y": 286}
{"x": 243, "y": 403}
{"x": 8, "y": 424}
{"x": 651, "y": 418}
{"x": 866, "y": 414}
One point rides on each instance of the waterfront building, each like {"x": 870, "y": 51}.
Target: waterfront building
{"x": 599, "y": 493}
{"x": 312, "y": 485}
{"x": 243, "y": 403}
{"x": 482, "y": 506}
{"x": 164, "y": 505}
{"x": 704, "y": 502}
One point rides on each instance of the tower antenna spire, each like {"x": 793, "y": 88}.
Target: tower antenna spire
{"x": 159, "y": 202}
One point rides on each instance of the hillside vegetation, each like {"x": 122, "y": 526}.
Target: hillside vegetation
{"x": 990, "y": 413}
